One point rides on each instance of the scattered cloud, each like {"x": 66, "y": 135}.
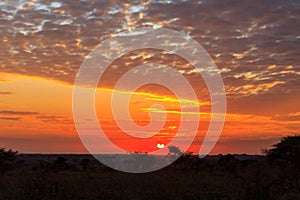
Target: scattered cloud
{"x": 289, "y": 117}
{"x": 250, "y": 45}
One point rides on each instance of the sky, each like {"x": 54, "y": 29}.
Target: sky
{"x": 255, "y": 45}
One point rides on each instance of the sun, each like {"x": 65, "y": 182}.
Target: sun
{"x": 160, "y": 146}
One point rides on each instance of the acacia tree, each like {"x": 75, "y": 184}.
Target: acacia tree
{"x": 174, "y": 151}
{"x": 288, "y": 149}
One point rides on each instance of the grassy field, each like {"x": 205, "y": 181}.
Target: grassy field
{"x": 214, "y": 177}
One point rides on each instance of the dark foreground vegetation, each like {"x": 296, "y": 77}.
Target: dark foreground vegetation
{"x": 274, "y": 176}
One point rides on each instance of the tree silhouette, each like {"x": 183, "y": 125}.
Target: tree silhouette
{"x": 6, "y": 158}
{"x": 288, "y": 149}
{"x": 174, "y": 151}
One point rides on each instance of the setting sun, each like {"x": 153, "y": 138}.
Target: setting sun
{"x": 160, "y": 146}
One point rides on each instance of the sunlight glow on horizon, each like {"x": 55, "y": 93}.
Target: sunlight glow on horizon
{"x": 40, "y": 109}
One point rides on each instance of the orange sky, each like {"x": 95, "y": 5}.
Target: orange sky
{"x": 36, "y": 116}
{"x": 43, "y": 44}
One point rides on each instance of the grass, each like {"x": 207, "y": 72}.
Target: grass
{"x": 38, "y": 177}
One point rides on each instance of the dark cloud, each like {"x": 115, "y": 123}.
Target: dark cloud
{"x": 11, "y": 112}
{"x": 5, "y": 93}
{"x": 10, "y": 118}
{"x": 50, "y": 117}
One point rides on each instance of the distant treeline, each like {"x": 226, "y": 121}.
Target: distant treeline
{"x": 276, "y": 175}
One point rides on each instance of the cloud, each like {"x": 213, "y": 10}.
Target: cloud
{"x": 288, "y": 117}
{"x": 11, "y": 112}
{"x": 10, "y": 118}
{"x": 50, "y": 117}
{"x": 244, "y": 40}
{"x": 5, "y": 93}
{"x": 238, "y": 32}
{"x": 265, "y": 104}
{"x": 55, "y": 119}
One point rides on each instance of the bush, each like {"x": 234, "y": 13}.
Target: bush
{"x": 6, "y": 159}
